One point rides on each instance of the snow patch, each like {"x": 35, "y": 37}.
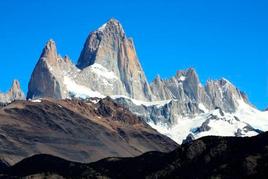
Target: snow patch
{"x": 80, "y": 91}
{"x": 145, "y": 103}
{"x": 255, "y": 118}
{"x": 102, "y": 27}
{"x": 245, "y": 121}
{"x": 102, "y": 71}
{"x": 35, "y": 100}
{"x": 182, "y": 78}
{"x": 202, "y": 107}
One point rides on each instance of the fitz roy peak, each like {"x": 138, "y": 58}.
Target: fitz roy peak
{"x": 180, "y": 107}
{"x": 108, "y": 65}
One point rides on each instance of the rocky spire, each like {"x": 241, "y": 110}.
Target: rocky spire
{"x": 224, "y": 94}
{"x": 186, "y": 87}
{"x": 14, "y": 93}
{"x": 47, "y": 77}
{"x": 50, "y": 52}
{"x": 110, "y": 35}
{"x": 109, "y": 47}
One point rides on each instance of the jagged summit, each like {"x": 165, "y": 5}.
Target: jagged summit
{"x": 51, "y": 44}
{"x": 108, "y": 65}
{"x": 47, "y": 77}
{"x": 14, "y": 93}
{"x": 110, "y": 34}
{"x": 15, "y": 84}
{"x": 112, "y": 25}
{"x": 49, "y": 51}
{"x": 110, "y": 48}
{"x": 186, "y": 86}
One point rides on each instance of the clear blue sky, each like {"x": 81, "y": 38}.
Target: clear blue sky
{"x": 219, "y": 38}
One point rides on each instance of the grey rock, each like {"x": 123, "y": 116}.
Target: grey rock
{"x": 189, "y": 139}
{"x": 167, "y": 113}
{"x": 224, "y": 94}
{"x": 47, "y": 79}
{"x": 185, "y": 86}
{"x": 110, "y": 47}
{"x": 108, "y": 64}
{"x": 204, "y": 127}
{"x": 239, "y": 133}
{"x": 14, "y": 93}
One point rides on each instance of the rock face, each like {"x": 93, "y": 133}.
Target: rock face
{"x": 180, "y": 120}
{"x": 108, "y": 64}
{"x": 47, "y": 79}
{"x": 15, "y": 93}
{"x": 110, "y": 48}
{"x": 186, "y": 88}
{"x": 224, "y": 95}
{"x": 75, "y": 130}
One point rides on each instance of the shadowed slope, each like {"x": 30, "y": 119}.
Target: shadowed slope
{"x": 209, "y": 157}
{"x": 75, "y": 130}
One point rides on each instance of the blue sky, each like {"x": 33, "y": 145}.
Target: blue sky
{"x": 218, "y": 38}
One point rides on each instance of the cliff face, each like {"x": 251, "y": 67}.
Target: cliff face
{"x": 47, "y": 77}
{"x": 111, "y": 48}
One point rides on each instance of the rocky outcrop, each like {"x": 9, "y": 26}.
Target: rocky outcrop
{"x": 166, "y": 112}
{"x": 15, "y": 93}
{"x": 225, "y": 95}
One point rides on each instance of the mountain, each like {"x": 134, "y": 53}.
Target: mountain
{"x": 110, "y": 48}
{"x": 108, "y": 65}
{"x": 181, "y": 121}
{"x": 75, "y": 130}
{"x": 185, "y": 87}
{"x": 187, "y": 110}
{"x": 180, "y": 107}
{"x": 209, "y": 157}
{"x": 14, "y": 93}
{"x": 47, "y": 79}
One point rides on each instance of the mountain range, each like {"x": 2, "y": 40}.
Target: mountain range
{"x": 180, "y": 107}
{"x": 104, "y": 106}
